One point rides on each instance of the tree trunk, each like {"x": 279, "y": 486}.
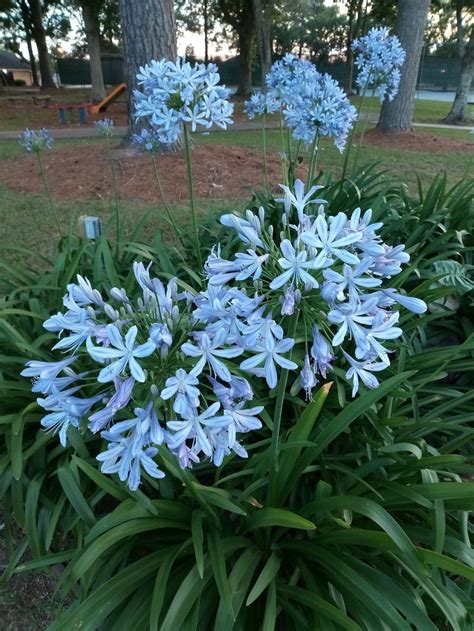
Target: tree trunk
{"x": 263, "y": 10}
{"x": 26, "y": 19}
{"x": 148, "y": 32}
{"x": 206, "y": 30}
{"x": 397, "y": 115}
{"x": 458, "y": 113}
{"x": 354, "y": 10}
{"x": 39, "y": 34}
{"x": 92, "y": 27}
{"x": 31, "y": 56}
{"x": 246, "y": 32}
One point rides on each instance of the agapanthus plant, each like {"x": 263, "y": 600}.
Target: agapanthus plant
{"x": 167, "y": 366}
{"x": 379, "y": 57}
{"x": 310, "y": 103}
{"x": 175, "y": 95}
{"x": 105, "y": 127}
{"x": 38, "y": 142}
{"x": 150, "y": 141}
{"x": 35, "y": 141}
{"x": 320, "y": 108}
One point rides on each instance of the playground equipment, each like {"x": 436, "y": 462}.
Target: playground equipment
{"x": 110, "y": 98}
{"x": 66, "y": 111}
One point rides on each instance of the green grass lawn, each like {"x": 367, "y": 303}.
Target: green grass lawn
{"x": 426, "y": 110}
{"x": 26, "y": 219}
{"x": 400, "y": 165}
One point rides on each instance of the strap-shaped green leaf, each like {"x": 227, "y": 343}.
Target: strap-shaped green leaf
{"x": 274, "y": 517}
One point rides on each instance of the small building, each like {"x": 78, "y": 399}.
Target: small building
{"x": 13, "y": 68}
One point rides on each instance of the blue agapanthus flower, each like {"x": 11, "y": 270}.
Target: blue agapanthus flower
{"x": 261, "y": 103}
{"x": 172, "y": 94}
{"x": 319, "y": 107}
{"x": 287, "y": 75}
{"x": 154, "y": 365}
{"x": 149, "y": 140}
{"x": 105, "y": 127}
{"x": 35, "y": 141}
{"x": 379, "y": 57}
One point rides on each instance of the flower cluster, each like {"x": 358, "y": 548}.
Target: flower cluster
{"x": 312, "y": 103}
{"x": 322, "y": 273}
{"x": 320, "y": 108}
{"x": 159, "y": 350}
{"x": 379, "y": 57}
{"x": 288, "y": 300}
{"x": 175, "y": 93}
{"x": 105, "y": 127}
{"x": 35, "y": 141}
{"x": 148, "y": 140}
{"x": 261, "y": 103}
{"x": 286, "y": 75}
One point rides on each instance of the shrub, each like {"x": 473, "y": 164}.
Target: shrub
{"x": 362, "y": 525}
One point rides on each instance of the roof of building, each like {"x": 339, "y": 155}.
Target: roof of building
{"x": 10, "y": 61}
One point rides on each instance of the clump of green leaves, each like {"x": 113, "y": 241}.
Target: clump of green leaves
{"x": 363, "y": 524}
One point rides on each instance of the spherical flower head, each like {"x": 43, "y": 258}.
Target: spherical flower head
{"x": 287, "y": 74}
{"x": 172, "y": 94}
{"x": 320, "y": 108}
{"x": 261, "y": 103}
{"x": 105, "y": 127}
{"x": 35, "y": 141}
{"x": 379, "y": 57}
{"x": 148, "y": 141}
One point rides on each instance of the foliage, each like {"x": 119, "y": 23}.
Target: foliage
{"x": 309, "y": 26}
{"x": 363, "y": 524}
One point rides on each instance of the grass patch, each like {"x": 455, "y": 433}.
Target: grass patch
{"x": 426, "y": 110}
{"x": 26, "y": 218}
{"x": 401, "y": 165}
{"x": 27, "y": 221}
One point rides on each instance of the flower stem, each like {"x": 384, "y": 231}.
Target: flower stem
{"x": 264, "y": 147}
{"x": 284, "y": 169}
{"x": 352, "y": 134}
{"x": 361, "y": 141}
{"x": 116, "y": 194}
{"x": 187, "y": 152}
{"x": 48, "y": 193}
{"x": 166, "y": 207}
{"x": 313, "y": 160}
{"x": 290, "y": 151}
{"x": 280, "y": 398}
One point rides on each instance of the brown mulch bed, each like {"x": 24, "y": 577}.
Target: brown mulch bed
{"x": 83, "y": 172}
{"x": 416, "y": 141}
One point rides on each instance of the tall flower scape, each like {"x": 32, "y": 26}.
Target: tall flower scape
{"x": 168, "y": 367}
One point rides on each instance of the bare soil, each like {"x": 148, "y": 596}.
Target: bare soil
{"x": 83, "y": 172}
{"x": 416, "y": 141}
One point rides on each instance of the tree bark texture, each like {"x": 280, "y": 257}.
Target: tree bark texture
{"x": 92, "y": 28}
{"x": 397, "y": 115}
{"x": 26, "y": 19}
{"x": 205, "y": 10}
{"x": 39, "y": 35}
{"x": 355, "y": 10}
{"x": 239, "y": 15}
{"x": 263, "y": 13}
{"x": 148, "y": 32}
{"x": 246, "y": 32}
{"x": 458, "y": 113}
